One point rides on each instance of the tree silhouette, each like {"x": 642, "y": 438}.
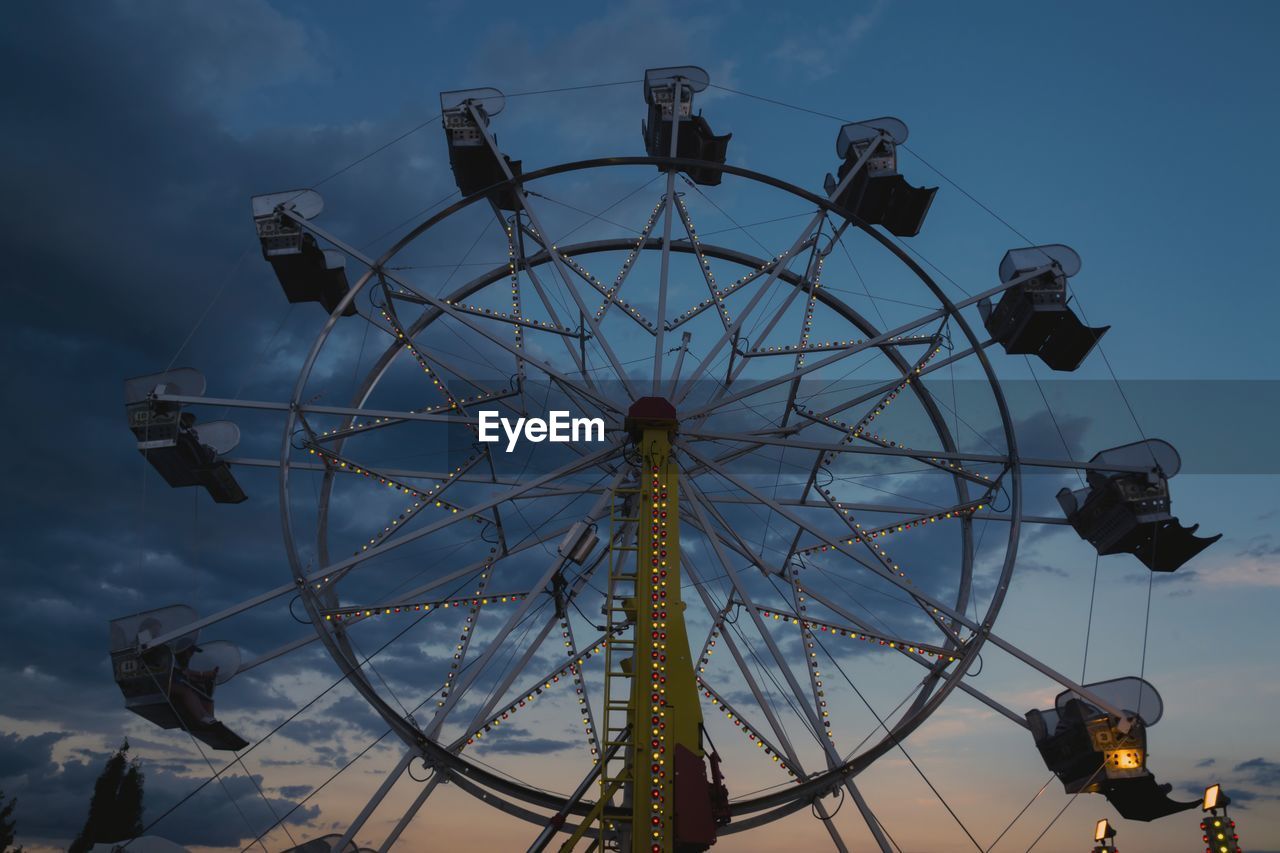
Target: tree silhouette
{"x": 8, "y": 826}
{"x": 115, "y": 811}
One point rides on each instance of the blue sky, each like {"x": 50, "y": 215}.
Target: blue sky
{"x": 1137, "y": 133}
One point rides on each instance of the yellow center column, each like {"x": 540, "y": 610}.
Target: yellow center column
{"x": 666, "y": 715}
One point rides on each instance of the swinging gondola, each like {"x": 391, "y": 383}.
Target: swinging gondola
{"x": 877, "y": 194}
{"x": 1033, "y": 317}
{"x": 171, "y": 683}
{"x": 183, "y": 453}
{"x": 1093, "y": 751}
{"x": 694, "y": 137}
{"x": 306, "y": 272}
{"x": 1127, "y": 512}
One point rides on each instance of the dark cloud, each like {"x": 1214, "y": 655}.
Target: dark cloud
{"x": 1261, "y": 546}
{"x": 513, "y": 740}
{"x": 54, "y": 797}
{"x": 1260, "y": 771}
{"x": 127, "y": 210}
{"x": 21, "y": 756}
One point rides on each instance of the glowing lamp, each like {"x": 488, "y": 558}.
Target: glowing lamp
{"x": 1214, "y": 799}
{"x": 1103, "y": 835}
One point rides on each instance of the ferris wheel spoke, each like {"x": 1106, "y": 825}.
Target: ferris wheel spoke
{"x": 735, "y": 327}
{"x": 520, "y": 322}
{"x": 556, "y": 261}
{"x": 494, "y": 718}
{"x": 749, "y": 729}
{"x": 334, "y": 571}
{"x": 422, "y": 497}
{"x": 922, "y": 599}
{"x": 716, "y": 295}
{"x": 857, "y": 629}
{"x": 840, "y": 353}
{"x": 443, "y": 308}
{"x": 577, "y": 658}
{"x": 833, "y": 758}
{"x": 718, "y": 620}
{"x": 904, "y": 649}
{"x": 377, "y": 422}
{"x": 394, "y": 473}
{"x": 760, "y": 439}
{"x": 610, "y": 295}
{"x": 758, "y": 268}
{"x": 811, "y": 281}
{"x": 578, "y": 357}
{"x": 887, "y": 387}
{"x": 574, "y": 266}
{"x": 406, "y": 338}
{"x": 556, "y": 565}
{"x": 412, "y": 811}
{"x": 901, "y": 525}
{"x": 757, "y": 440}
{"x": 580, "y": 582}
{"x": 310, "y": 408}
{"x": 792, "y": 350}
{"x": 814, "y": 281}
{"x": 953, "y": 468}
{"x": 408, "y": 597}
{"x": 808, "y": 646}
{"x": 483, "y": 663}
{"x": 379, "y": 795}
{"x": 783, "y": 753}
{"x": 279, "y": 651}
{"x": 743, "y": 596}
{"x": 934, "y": 608}
{"x": 776, "y": 269}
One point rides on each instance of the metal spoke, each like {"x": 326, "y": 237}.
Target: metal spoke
{"x": 872, "y": 823}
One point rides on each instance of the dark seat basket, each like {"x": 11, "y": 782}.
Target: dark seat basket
{"x": 154, "y": 422}
{"x": 695, "y": 141}
{"x": 1069, "y": 750}
{"x": 187, "y": 462}
{"x": 885, "y": 198}
{"x": 1032, "y": 319}
{"x": 477, "y": 168}
{"x": 305, "y": 276}
{"x": 1143, "y": 798}
{"x": 146, "y": 681}
{"x": 141, "y": 675}
{"x": 1124, "y": 514}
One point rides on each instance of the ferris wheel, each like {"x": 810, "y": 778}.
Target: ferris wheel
{"x": 658, "y": 470}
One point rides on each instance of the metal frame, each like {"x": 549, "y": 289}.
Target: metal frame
{"x": 317, "y": 586}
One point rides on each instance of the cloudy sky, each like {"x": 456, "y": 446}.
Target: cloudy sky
{"x": 136, "y": 132}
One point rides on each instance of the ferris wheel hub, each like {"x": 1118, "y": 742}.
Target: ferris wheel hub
{"x": 648, "y": 413}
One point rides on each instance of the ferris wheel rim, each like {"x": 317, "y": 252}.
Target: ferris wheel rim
{"x": 817, "y": 782}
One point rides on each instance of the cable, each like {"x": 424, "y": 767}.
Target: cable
{"x": 571, "y": 88}
{"x": 1088, "y": 630}
{"x": 301, "y": 802}
{"x": 263, "y": 794}
{"x": 264, "y": 738}
{"x": 226, "y": 281}
{"x": 169, "y": 701}
{"x": 377, "y": 150}
{"x": 1052, "y": 776}
{"x": 897, "y": 743}
{"x": 1044, "y": 831}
